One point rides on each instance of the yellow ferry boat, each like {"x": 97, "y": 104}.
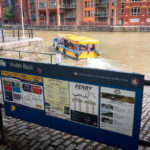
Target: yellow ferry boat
{"x": 77, "y": 47}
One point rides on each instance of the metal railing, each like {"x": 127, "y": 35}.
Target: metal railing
{"x": 101, "y": 4}
{"x": 14, "y": 34}
{"x": 20, "y": 52}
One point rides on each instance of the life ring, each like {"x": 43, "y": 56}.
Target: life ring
{"x": 59, "y": 41}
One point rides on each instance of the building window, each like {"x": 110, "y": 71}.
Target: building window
{"x": 85, "y": 13}
{"x": 42, "y": 5}
{"x": 51, "y": 19}
{"x": 52, "y": 4}
{"x": 112, "y": 2}
{"x": 71, "y": 20}
{"x": 148, "y": 11}
{"x": 122, "y": 12}
{"x": 92, "y": 3}
{"x": 112, "y": 12}
{"x": 88, "y": 13}
{"x": 62, "y": 18}
{"x": 102, "y": 19}
{"x": 135, "y": 11}
{"x": 147, "y": 19}
{"x": 101, "y": 13}
{"x": 85, "y": 4}
{"x": 91, "y": 13}
{"x": 122, "y": 7}
{"x": 24, "y": 14}
{"x": 134, "y": 20}
{"x": 89, "y": 3}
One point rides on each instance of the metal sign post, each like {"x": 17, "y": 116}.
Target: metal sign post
{"x": 1, "y": 126}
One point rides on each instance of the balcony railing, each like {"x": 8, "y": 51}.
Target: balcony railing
{"x": 32, "y": 8}
{"x": 73, "y": 5}
{"x": 102, "y": 4}
{"x": 32, "y": 1}
{"x": 100, "y": 14}
{"x": 52, "y": 6}
{"x": 70, "y": 16}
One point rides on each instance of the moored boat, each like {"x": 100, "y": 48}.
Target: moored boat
{"x": 77, "y": 47}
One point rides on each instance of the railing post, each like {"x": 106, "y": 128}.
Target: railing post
{"x": 29, "y": 34}
{"x": 1, "y": 126}
{"x": 32, "y": 33}
{"x": 2, "y": 35}
{"x": 19, "y": 55}
{"x": 18, "y": 35}
{"x": 51, "y": 59}
{"x": 13, "y": 33}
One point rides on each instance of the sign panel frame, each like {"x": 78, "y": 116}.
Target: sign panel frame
{"x": 97, "y": 98}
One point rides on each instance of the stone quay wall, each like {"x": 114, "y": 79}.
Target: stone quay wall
{"x": 8, "y": 48}
{"x": 86, "y": 28}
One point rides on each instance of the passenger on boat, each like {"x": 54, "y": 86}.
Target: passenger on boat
{"x": 76, "y": 47}
{"x": 93, "y": 47}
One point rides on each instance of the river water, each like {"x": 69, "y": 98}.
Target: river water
{"x": 118, "y": 51}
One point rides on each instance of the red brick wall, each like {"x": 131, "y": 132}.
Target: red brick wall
{"x": 86, "y": 18}
{"x": 18, "y": 12}
{"x": 3, "y": 3}
{"x": 128, "y": 19}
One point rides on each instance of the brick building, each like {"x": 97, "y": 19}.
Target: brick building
{"x": 133, "y": 12}
{"x": 3, "y": 4}
{"x": 18, "y": 11}
{"x": 81, "y": 12}
{"x": 56, "y": 12}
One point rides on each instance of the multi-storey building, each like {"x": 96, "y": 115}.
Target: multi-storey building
{"x": 58, "y": 12}
{"x": 133, "y": 12}
{"x": 3, "y": 4}
{"x": 32, "y": 11}
{"x": 24, "y": 10}
{"x": 81, "y": 12}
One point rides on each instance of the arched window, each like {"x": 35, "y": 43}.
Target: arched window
{"x": 135, "y": 11}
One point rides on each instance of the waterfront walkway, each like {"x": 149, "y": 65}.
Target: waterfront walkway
{"x": 22, "y": 135}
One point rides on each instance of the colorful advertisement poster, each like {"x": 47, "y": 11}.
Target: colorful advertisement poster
{"x": 56, "y": 94}
{"x": 117, "y": 110}
{"x": 84, "y": 103}
{"x": 23, "y": 89}
{"x": 33, "y": 96}
{"x": 12, "y": 90}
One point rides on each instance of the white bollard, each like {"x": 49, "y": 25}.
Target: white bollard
{"x": 58, "y": 58}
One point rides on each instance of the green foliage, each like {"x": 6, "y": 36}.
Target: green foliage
{"x": 9, "y": 13}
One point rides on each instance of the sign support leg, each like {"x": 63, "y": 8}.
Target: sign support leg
{"x": 2, "y": 141}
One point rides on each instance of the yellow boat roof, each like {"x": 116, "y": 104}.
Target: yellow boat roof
{"x": 79, "y": 39}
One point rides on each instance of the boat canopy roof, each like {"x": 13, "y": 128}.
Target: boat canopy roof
{"x": 79, "y": 39}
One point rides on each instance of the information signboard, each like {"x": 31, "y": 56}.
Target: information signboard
{"x": 101, "y": 105}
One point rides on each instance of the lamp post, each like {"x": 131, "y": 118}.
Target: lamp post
{"x": 22, "y": 22}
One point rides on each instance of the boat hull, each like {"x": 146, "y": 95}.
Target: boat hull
{"x": 74, "y": 54}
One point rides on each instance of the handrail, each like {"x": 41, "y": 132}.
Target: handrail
{"x": 41, "y": 53}
{"x": 17, "y": 34}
